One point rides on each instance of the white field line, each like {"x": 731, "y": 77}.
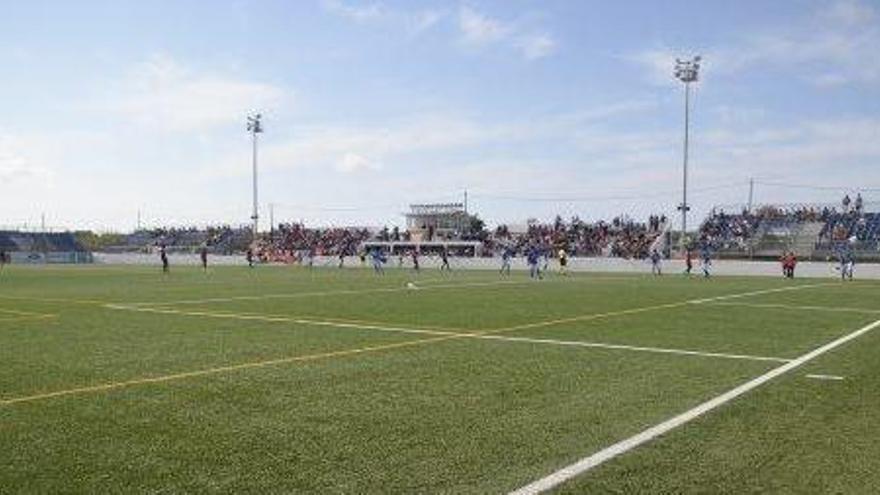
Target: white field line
{"x": 343, "y": 292}
{"x": 659, "y": 350}
{"x": 587, "y": 463}
{"x": 826, "y": 377}
{"x": 761, "y": 292}
{"x": 547, "y": 323}
{"x": 21, "y": 313}
{"x": 482, "y": 335}
{"x": 27, "y": 317}
{"x": 285, "y": 319}
{"x": 295, "y": 295}
{"x": 798, "y": 307}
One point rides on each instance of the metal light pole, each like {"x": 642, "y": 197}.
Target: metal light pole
{"x": 686, "y": 71}
{"x": 255, "y": 126}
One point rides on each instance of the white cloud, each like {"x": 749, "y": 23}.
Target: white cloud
{"x": 479, "y": 29}
{"x": 15, "y": 166}
{"x": 827, "y": 48}
{"x": 424, "y": 20}
{"x": 160, "y": 93}
{"x": 414, "y": 23}
{"x": 357, "y": 13}
{"x": 849, "y": 12}
{"x": 353, "y": 162}
{"x": 536, "y": 46}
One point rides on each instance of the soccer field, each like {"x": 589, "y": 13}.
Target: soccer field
{"x": 278, "y": 379}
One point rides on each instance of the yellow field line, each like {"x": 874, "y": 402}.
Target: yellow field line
{"x": 220, "y": 369}
{"x": 251, "y": 365}
{"x": 363, "y": 350}
{"x": 594, "y": 316}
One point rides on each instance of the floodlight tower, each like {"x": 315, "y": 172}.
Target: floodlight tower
{"x": 255, "y": 126}
{"x": 686, "y": 71}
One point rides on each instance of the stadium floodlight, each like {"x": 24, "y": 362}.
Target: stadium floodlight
{"x": 686, "y": 71}
{"x": 255, "y": 126}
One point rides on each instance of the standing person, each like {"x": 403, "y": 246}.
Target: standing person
{"x": 545, "y": 258}
{"x": 706, "y": 257}
{"x": 342, "y": 258}
{"x": 533, "y": 256}
{"x": 249, "y": 256}
{"x": 310, "y": 257}
{"x": 847, "y": 264}
{"x": 655, "y": 263}
{"x": 688, "y": 261}
{"x": 203, "y": 255}
{"x": 415, "y": 259}
{"x": 2, "y": 260}
{"x": 563, "y": 262}
{"x": 378, "y": 259}
{"x": 788, "y": 263}
{"x": 444, "y": 260}
{"x": 505, "y": 261}
{"x": 163, "y": 255}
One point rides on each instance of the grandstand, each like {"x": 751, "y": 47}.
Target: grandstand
{"x": 43, "y": 247}
{"x": 816, "y": 231}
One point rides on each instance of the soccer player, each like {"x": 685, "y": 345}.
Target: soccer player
{"x": 655, "y": 263}
{"x": 688, "y": 261}
{"x": 203, "y": 255}
{"x": 788, "y": 263}
{"x": 505, "y": 261}
{"x": 533, "y": 257}
{"x": 310, "y": 257}
{"x": 415, "y": 259}
{"x": 444, "y": 260}
{"x": 342, "y": 258}
{"x": 378, "y": 259}
{"x": 2, "y": 260}
{"x": 563, "y": 262}
{"x": 163, "y": 255}
{"x": 706, "y": 257}
{"x": 847, "y": 263}
{"x": 249, "y": 256}
{"x": 545, "y": 258}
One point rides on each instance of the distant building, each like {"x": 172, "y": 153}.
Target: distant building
{"x": 437, "y": 222}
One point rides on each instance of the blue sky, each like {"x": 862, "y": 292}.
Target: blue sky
{"x": 534, "y": 107}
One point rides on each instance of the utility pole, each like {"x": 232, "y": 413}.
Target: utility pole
{"x": 255, "y": 126}
{"x": 686, "y": 71}
{"x": 272, "y": 220}
{"x": 751, "y": 192}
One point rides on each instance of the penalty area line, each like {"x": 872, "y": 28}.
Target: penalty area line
{"x": 590, "y": 462}
{"x": 481, "y": 335}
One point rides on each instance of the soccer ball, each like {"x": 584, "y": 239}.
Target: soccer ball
{"x": 411, "y": 286}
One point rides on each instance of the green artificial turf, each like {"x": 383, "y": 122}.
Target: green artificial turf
{"x": 231, "y": 390}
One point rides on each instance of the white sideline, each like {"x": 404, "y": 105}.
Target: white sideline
{"x": 608, "y": 453}
{"x": 482, "y": 335}
{"x": 799, "y": 308}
